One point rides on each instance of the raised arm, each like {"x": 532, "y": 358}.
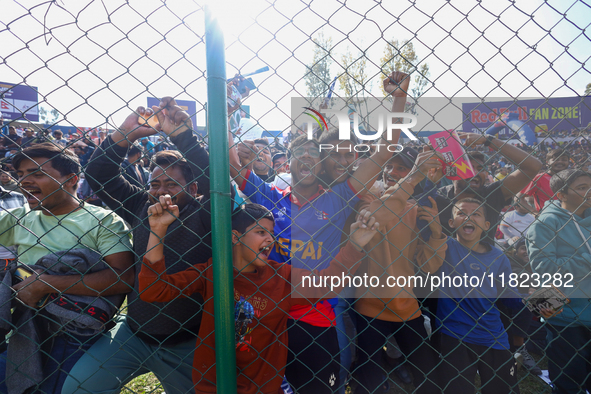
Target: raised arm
{"x": 395, "y": 84}
{"x": 155, "y": 285}
{"x": 528, "y": 165}
{"x": 242, "y": 152}
{"x": 103, "y": 171}
{"x": 346, "y": 262}
{"x": 177, "y": 124}
{"x": 393, "y": 202}
{"x": 104, "y": 177}
{"x": 430, "y": 254}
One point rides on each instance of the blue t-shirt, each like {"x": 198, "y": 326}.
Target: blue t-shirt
{"x": 473, "y": 317}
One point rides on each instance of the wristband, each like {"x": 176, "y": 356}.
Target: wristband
{"x": 489, "y": 140}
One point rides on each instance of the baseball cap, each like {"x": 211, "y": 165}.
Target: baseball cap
{"x": 408, "y": 156}
{"x": 278, "y": 155}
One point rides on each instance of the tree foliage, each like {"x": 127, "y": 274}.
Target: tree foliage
{"x": 355, "y": 83}
{"x": 317, "y": 75}
{"x": 48, "y": 116}
{"x": 354, "y": 79}
{"x": 588, "y": 90}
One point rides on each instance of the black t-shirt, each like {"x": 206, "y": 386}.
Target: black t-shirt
{"x": 491, "y": 194}
{"x": 11, "y": 141}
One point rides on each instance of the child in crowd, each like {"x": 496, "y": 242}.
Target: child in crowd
{"x": 471, "y": 333}
{"x": 516, "y": 222}
{"x": 267, "y": 285}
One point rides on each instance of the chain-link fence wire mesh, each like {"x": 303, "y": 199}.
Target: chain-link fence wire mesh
{"x": 468, "y": 65}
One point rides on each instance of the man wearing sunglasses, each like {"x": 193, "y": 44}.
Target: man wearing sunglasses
{"x": 309, "y": 222}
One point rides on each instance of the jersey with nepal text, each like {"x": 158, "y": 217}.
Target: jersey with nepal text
{"x": 307, "y": 233}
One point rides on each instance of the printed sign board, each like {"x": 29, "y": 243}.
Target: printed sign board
{"x": 19, "y": 102}
{"x": 457, "y": 165}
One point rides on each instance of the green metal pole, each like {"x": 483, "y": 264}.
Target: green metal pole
{"x": 219, "y": 171}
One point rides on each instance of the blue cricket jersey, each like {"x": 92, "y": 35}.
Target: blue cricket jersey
{"x": 308, "y": 233}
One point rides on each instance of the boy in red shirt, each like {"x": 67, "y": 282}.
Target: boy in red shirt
{"x": 266, "y": 285}
{"x": 538, "y": 189}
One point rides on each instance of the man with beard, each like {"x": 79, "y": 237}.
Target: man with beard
{"x": 496, "y": 195}
{"x": 152, "y": 337}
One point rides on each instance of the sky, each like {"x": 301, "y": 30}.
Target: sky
{"x": 95, "y": 61}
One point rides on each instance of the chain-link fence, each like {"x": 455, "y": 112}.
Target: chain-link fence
{"x": 352, "y": 197}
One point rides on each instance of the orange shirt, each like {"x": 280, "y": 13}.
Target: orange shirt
{"x": 261, "y": 358}
{"x": 392, "y": 255}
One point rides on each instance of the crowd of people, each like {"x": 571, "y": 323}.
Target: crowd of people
{"x": 298, "y": 213}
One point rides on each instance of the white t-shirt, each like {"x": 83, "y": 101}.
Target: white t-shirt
{"x": 282, "y": 181}
{"x": 516, "y": 225}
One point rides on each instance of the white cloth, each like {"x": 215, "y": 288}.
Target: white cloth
{"x": 249, "y": 130}
{"x": 282, "y": 181}
{"x": 516, "y": 225}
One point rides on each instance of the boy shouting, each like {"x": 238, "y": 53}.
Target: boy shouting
{"x": 265, "y": 284}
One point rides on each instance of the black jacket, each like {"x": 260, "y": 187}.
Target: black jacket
{"x": 188, "y": 240}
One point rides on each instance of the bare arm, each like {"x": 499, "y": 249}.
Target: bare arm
{"x": 393, "y": 202}
{"x": 528, "y": 165}
{"x": 244, "y": 152}
{"x": 395, "y": 84}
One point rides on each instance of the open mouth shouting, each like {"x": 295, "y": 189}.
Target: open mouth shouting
{"x": 265, "y": 251}
{"x": 468, "y": 228}
{"x": 305, "y": 169}
{"x": 391, "y": 181}
{"x": 33, "y": 196}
